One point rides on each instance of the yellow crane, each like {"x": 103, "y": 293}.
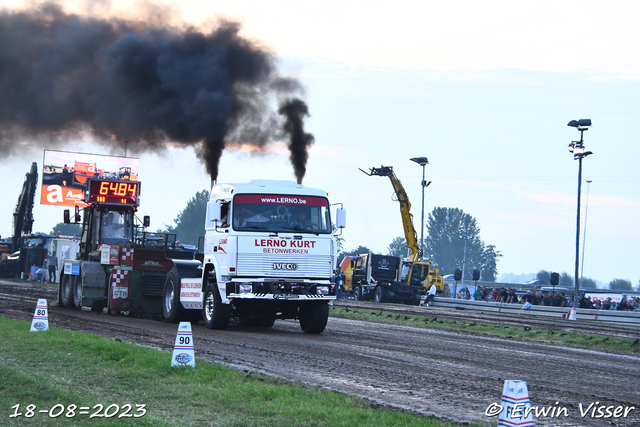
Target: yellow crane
{"x": 413, "y": 270}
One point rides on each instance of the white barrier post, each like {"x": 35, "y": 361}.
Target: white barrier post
{"x": 183, "y": 354}
{"x": 515, "y": 400}
{"x": 40, "y": 320}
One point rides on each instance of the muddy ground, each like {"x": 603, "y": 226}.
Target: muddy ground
{"x": 450, "y": 375}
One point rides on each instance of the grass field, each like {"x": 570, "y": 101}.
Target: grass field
{"x": 578, "y": 340}
{"x": 60, "y": 371}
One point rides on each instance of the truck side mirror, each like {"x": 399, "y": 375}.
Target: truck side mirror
{"x": 341, "y": 218}
{"x": 66, "y": 215}
{"x": 146, "y": 220}
{"x": 214, "y": 214}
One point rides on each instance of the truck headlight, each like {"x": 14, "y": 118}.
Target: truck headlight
{"x": 322, "y": 290}
{"x": 245, "y": 289}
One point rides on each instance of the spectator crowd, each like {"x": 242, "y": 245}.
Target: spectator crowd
{"x": 548, "y": 298}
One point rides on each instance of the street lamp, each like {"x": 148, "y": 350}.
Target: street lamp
{"x": 584, "y": 233}
{"x": 464, "y": 257}
{"x": 577, "y": 148}
{"x": 422, "y": 161}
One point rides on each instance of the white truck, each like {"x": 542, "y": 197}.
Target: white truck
{"x": 269, "y": 253}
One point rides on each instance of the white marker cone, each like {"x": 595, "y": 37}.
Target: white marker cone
{"x": 515, "y": 400}
{"x": 40, "y": 317}
{"x": 572, "y": 315}
{"x": 183, "y": 354}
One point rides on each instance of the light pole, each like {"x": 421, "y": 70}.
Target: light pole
{"x": 584, "y": 233}
{"x": 422, "y": 161}
{"x": 464, "y": 257}
{"x": 577, "y": 148}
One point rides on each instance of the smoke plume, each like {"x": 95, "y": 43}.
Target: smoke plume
{"x": 294, "y": 111}
{"x": 64, "y": 75}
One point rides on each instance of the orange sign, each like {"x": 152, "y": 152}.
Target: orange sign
{"x": 62, "y": 196}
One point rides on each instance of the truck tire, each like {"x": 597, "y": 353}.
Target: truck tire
{"x": 172, "y": 310}
{"x": 313, "y": 318}
{"x": 76, "y": 286}
{"x": 66, "y": 291}
{"x": 358, "y": 293}
{"x": 216, "y": 314}
{"x": 380, "y": 294}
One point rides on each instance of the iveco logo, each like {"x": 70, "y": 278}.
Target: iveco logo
{"x": 283, "y": 266}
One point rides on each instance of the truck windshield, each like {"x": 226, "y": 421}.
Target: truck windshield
{"x": 116, "y": 227}
{"x": 281, "y": 213}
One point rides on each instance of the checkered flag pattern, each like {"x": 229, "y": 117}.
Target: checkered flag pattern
{"x": 126, "y": 256}
{"x": 118, "y": 275}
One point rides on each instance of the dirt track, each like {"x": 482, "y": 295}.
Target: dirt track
{"x": 450, "y": 375}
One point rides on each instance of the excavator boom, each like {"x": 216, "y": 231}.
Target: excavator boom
{"x": 415, "y": 272}
{"x": 23, "y": 215}
{"x": 405, "y": 209}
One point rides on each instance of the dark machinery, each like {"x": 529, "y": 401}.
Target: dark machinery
{"x": 119, "y": 266}
{"x": 22, "y": 223}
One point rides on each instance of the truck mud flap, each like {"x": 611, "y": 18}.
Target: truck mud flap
{"x": 94, "y": 284}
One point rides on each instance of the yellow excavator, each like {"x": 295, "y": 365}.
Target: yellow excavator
{"x": 414, "y": 271}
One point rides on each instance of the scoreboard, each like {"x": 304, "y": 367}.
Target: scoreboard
{"x": 110, "y": 192}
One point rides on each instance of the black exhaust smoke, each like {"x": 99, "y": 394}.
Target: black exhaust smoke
{"x": 64, "y": 75}
{"x": 294, "y": 111}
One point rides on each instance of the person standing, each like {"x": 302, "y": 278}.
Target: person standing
{"x": 339, "y": 281}
{"x": 53, "y": 263}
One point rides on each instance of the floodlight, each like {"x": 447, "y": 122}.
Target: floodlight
{"x": 420, "y": 160}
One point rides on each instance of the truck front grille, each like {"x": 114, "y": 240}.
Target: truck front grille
{"x": 259, "y": 265}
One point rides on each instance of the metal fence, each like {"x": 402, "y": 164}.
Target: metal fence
{"x": 612, "y": 316}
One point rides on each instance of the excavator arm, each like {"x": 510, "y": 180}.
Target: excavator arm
{"x": 23, "y": 215}
{"x": 405, "y": 209}
{"x": 419, "y": 272}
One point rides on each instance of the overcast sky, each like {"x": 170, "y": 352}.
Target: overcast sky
{"x": 483, "y": 89}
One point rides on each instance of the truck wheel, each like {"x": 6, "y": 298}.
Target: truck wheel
{"x": 380, "y": 294}
{"x": 216, "y": 314}
{"x": 66, "y": 291}
{"x": 313, "y": 318}
{"x": 77, "y": 291}
{"x": 358, "y": 293}
{"x": 171, "y": 308}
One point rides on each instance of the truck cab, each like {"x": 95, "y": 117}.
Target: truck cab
{"x": 269, "y": 253}
{"x": 107, "y": 225}
{"x": 377, "y": 277}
